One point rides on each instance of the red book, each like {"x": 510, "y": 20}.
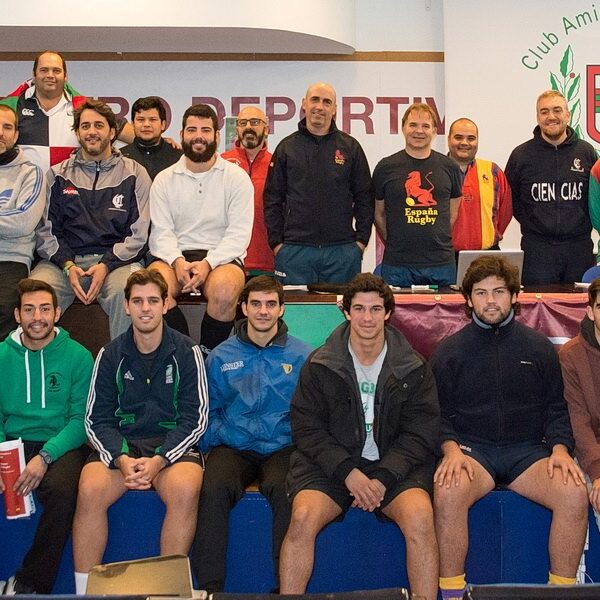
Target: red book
{"x": 12, "y": 463}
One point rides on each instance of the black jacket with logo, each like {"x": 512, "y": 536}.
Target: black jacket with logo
{"x": 550, "y": 187}
{"x": 315, "y": 186}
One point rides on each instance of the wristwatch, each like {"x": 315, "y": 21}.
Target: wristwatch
{"x": 67, "y": 266}
{"x": 46, "y": 457}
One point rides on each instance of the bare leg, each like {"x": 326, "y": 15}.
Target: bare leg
{"x": 412, "y": 512}
{"x": 99, "y": 488}
{"x": 222, "y": 289}
{"x": 169, "y": 274}
{"x": 451, "y": 517}
{"x": 179, "y": 487}
{"x": 569, "y": 505}
{"x": 311, "y": 511}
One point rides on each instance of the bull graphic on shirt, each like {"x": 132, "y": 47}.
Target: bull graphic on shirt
{"x": 416, "y": 194}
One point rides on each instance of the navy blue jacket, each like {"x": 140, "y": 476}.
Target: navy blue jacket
{"x": 129, "y": 402}
{"x": 501, "y": 385}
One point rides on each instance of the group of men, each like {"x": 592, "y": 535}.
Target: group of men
{"x": 355, "y": 423}
{"x": 363, "y": 421}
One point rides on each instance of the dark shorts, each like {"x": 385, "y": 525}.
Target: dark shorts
{"x": 442, "y": 275}
{"x": 198, "y": 255}
{"x": 147, "y": 448}
{"x": 314, "y": 479}
{"x": 505, "y": 463}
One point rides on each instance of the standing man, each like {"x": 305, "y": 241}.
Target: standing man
{"x": 580, "y": 361}
{"x": 251, "y": 379}
{"x": 504, "y": 421}
{"x": 251, "y": 154}
{"x": 149, "y": 148}
{"x": 365, "y": 423}
{"x": 46, "y": 377}
{"x": 549, "y": 178}
{"x": 45, "y": 105}
{"x": 318, "y": 183}
{"x": 22, "y": 202}
{"x": 146, "y": 412}
{"x": 202, "y": 214}
{"x": 95, "y": 228}
{"x": 417, "y": 193}
{"x": 486, "y": 207}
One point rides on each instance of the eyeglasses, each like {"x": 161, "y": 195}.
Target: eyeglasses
{"x": 253, "y": 122}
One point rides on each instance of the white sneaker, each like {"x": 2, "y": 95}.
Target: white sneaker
{"x": 9, "y": 586}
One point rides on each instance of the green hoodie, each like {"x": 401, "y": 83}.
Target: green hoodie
{"x": 43, "y": 393}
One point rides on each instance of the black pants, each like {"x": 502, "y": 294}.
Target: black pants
{"x": 57, "y": 493}
{"x": 555, "y": 262}
{"x": 227, "y": 474}
{"x": 10, "y": 274}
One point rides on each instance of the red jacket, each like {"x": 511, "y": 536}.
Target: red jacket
{"x": 260, "y": 255}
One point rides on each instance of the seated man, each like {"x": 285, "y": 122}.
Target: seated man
{"x": 580, "y": 362}
{"x": 365, "y": 423}
{"x": 504, "y": 421}
{"x": 149, "y": 148}
{"x": 146, "y": 412}
{"x": 22, "y": 202}
{"x": 46, "y": 377}
{"x": 251, "y": 379}
{"x": 95, "y": 228}
{"x": 202, "y": 210}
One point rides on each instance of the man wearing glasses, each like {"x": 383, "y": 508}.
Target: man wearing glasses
{"x": 250, "y": 152}
{"x": 319, "y": 183}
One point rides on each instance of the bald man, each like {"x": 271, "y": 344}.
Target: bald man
{"x": 318, "y": 183}
{"x": 250, "y": 152}
{"x": 486, "y": 207}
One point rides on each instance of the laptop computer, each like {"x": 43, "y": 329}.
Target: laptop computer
{"x": 466, "y": 257}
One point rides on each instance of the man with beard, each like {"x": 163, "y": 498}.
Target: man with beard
{"x": 250, "y": 152}
{"x": 42, "y": 401}
{"x": 549, "y": 178}
{"x": 504, "y": 422}
{"x": 202, "y": 213}
{"x": 149, "y": 148}
{"x": 95, "y": 227}
{"x": 22, "y": 201}
{"x": 318, "y": 199}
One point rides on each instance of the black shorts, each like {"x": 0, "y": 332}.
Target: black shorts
{"x": 420, "y": 477}
{"x": 505, "y": 462}
{"x": 197, "y": 255}
{"x": 146, "y": 447}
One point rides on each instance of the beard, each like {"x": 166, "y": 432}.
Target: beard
{"x": 98, "y": 150}
{"x": 199, "y": 157}
{"x": 250, "y": 139}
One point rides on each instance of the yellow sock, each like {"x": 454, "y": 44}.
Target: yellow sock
{"x": 558, "y": 580}
{"x": 458, "y": 582}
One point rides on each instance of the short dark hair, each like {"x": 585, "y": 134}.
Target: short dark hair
{"x": 490, "y": 266}
{"x": 36, "y": 60}
{"x": 367, "y": 282}
{"x": 100, "y": 107}
{"x": 262, "y": 283}
{"x": 28, "y": 286}
{"x": 143, "y": 277}
{"x": 593, "y": 291}
{"x": 7, "y": 108}
{"x": 148, "y": 103}
{"x": 463, "y": 119}
{"x": 203, "y": 111}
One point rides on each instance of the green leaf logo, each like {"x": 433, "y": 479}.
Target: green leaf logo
{"x": 568, "y": 84}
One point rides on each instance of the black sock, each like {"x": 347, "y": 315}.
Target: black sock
{"x": 175, "y": 319}
{"x": 213, "y": 332}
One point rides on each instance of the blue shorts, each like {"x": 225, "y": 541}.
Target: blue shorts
{"x": 442, "y": 275}
{"x": 506, "y": 462}
{"x": 303, "y": 265}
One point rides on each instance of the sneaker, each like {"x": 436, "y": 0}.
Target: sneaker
{"x": 13, "y": 587}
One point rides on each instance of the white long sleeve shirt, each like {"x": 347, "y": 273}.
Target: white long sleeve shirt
{"x": 211, "y": 211}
